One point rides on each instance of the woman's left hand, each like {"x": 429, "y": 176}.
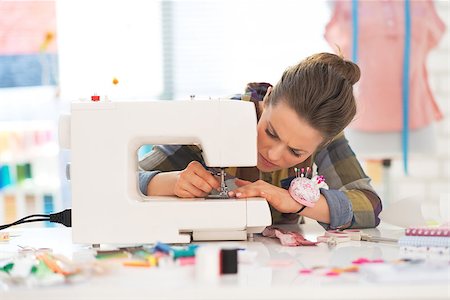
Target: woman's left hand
{"x": 279, "y": 198}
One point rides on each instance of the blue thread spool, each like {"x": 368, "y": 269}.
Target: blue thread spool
{"x": 5, "y": 176}
{"x": 48, "y": 207}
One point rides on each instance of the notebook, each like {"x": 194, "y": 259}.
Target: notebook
{"x": 428, "y": 231}
{"x": 424, "y": 241}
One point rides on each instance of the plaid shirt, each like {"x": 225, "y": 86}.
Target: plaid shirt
{"x": 351, "y": 199}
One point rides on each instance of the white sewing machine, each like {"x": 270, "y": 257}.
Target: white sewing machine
{"x": 107, "y": 206}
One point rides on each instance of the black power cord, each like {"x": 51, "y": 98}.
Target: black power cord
{"x": 63, "y": 217}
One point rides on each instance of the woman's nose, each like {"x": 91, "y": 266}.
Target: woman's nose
{"x": 275, "y": 153}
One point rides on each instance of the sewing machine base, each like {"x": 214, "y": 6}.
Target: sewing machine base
{"x": 242, "y": 235}
{"x": 203, "y": 236}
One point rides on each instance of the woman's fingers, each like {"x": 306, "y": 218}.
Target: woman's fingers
{"x": 208, "y": 181}
{"x": 247, "y": 191}
{"x": 186, "y": 189}
{"x": 195, "y": 191}
{"x": 195, "y": 181}
{"x": 279, "y": 198}
{"x": 200, "y": 183}
{"x": 241, "y": 182}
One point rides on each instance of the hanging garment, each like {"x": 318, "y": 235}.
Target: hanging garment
{"x": 381, "y": 32}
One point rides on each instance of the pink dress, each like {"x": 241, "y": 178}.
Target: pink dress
{"x": 380, "y": 57}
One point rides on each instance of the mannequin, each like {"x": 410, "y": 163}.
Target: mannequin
{"x": 381, "y": 36}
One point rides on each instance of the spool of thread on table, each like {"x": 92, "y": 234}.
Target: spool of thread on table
{"x": 229, "y": 261}
{"x": 207, "y": 264}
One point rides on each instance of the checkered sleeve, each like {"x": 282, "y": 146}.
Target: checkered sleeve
{"x": 352, "y": 201}
{"x": 166, "y": 158}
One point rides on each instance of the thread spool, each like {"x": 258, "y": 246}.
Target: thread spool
{"x": 207, "y": 264}
{"x": 229, "y": 261}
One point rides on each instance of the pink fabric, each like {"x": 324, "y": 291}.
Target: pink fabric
{"x": 24, "y": 25}
{"x": 380, "y": 57}
{"x": 287, "y": 238}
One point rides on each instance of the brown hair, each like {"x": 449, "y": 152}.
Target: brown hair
{"x": 320, "y": 90}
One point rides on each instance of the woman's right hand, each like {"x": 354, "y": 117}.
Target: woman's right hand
{"x": 195, "y": 181}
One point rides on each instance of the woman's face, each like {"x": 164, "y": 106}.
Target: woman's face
{"x": 284, "y": 140}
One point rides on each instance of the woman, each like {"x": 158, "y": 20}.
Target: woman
{"x": 300, "y": 124}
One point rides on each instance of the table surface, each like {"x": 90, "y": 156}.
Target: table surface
{"x": 273, "y": 275}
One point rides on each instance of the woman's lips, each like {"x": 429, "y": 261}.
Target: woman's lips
{"x": 267, "y": 162}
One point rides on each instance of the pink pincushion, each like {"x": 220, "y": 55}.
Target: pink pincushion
{"x": 305, "y": 191}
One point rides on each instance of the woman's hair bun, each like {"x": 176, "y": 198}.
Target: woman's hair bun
{"x": 347, "y": 69}
{"x": 351, "y": 71}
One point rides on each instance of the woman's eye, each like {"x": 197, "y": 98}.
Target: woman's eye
{"x": 270, "y": 133}
{"x": 295, "y": 153}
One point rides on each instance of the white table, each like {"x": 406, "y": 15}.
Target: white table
{"x": 260, "y": 280}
